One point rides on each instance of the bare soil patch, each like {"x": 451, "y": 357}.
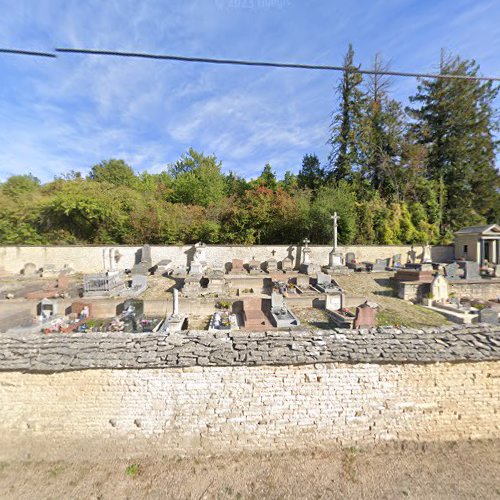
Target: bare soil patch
{"x": 431, "y": 471}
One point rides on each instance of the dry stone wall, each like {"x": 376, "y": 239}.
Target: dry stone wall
{"x": 60, "y": 352}
{"x": 256, "y": 391}
{"x": 95, "y": 258}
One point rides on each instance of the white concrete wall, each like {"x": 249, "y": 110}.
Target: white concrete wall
{"x": 88, "y": 259}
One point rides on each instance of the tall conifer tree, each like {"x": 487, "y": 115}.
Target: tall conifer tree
{"x": 455, "y": 120}
{"x": 345, "y": 156}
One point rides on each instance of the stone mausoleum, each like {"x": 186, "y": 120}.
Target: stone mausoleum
{"x": 478, "y": 244}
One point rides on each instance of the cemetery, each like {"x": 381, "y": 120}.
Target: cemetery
{"x": 300, "y": 289}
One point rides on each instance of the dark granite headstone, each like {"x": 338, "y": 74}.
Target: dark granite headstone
{"x": 488, "y": 315}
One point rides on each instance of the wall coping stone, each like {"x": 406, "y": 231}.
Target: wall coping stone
{"x": 383, "y": 345}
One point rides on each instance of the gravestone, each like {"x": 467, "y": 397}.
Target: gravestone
{"x": 145, "y": 263}
{"x": 146, "y": 255}
{"x": 306, "y": 253}
{"x": 471, "y": 270}
{"x": 488, "y": 315}
{"x": 412, "y": 256}
{"x": 302, "y": 281}
{"x": 139, "y": 284}
{"x": 334, "y": 301}
{"x": 439, "y": 289}
{"x": 365, "y": 316}
{"x": 218, "y": 268}
{"x": 199, "y": 262}
{"x": 451, "y": 271}
{"x": 396, "y": 260}
{"x": 237, "y": 266}
{"x": 271, "y": 265}
{"x": 426, "y": 254}
{"x": 380, "y": 265}
{"x": 29, "y": 269}
{"x": 350, "y": 257}
{"x": 164, "y": 266}
{"x": 254, "y": 266}
{"x": 287, "y": 265}
{"x": 277, "y": 300}
{"x": 192, "y": 286}
{"x": 323, "y": 279}
{"x": 46, "y": 308}
{"x": 196, "y": 268}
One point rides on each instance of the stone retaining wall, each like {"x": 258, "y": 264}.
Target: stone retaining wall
{"x": 255, "y": 391}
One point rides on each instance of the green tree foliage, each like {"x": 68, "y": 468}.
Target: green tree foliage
{"x": 197, "y": 180}
{"x": 116, "y": 172}
{"x": 311, "y": 175}
{"x": 20, "y": 185}
{"x": 339, "y": 198}
{"x": 392, "y": 177}
{"x": 345, "y": 157}
{"x": 455, "y": 120}
{"x": 266, "y": 179}
{"x": 382, "y": 136}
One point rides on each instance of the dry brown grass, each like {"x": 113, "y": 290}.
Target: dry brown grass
{"x": 393, "y": 311}
{"x": 433, "y": 471}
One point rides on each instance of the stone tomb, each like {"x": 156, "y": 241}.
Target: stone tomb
{"x": 46, "y": 309}
{"x": 396, "y": 261}
{"x": 287, "y": 264}
{"x": 164, "y": 267}
{"x": 439, "y": 289}
{"x": 145, "y": 263}
{"x": 237, "y": 267}
{"x": 281, "y": 316}
{"x": 271, "y": 265}
{"x": 176, "y": 321}
{"x": 471, "y": 270}
{"x": 334, "y": 301}
{"x": 324, "y": 284}
{"x": 109, "y": 284}
{"x": 254, "y": 267}
{"x": 192, "y": 286}
{"x": 380, "y": 265}
{"x": 253, "y": 316}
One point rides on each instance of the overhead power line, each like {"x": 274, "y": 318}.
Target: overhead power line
{"x": 272, "y": 64}
{"x": 239, "y": 62}
{"x": 27, "y": 53}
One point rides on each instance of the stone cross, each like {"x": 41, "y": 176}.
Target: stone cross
{"x": 306, "y": 242}
{"x": 335, "y": 218}
{"x": 175, "y": 311}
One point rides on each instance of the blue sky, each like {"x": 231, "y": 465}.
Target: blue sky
{"x": 69, "y": 113}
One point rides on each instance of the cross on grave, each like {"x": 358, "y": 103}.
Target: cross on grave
{"x": 273, "y": 252}
{"x": 335, "y": 218}
{"x": 306, "y": 242}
